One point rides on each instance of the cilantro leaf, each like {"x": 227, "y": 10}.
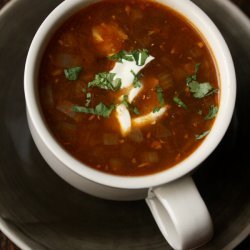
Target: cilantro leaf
{"x": 123, "y": 54}
{"x": 213, "y": 110}
{"x": 196, "y": 68}
{"x": 88, "y": 99}
{"x": 81, "y": 109}
{"x": 199, "y": 90}
{"x": 106, "y": 80}
{"x": 129, "y": 106}
{"x": 156, "y": 109}
{"x": 136, "y": 110}
{"x": 160, "y": 95}
{"x": 202, "y": 135}
{"x": 100, "y": 109}
{"x": 136, "y": 82}
{"x": 139, "y": 56}
{"x": 125, "y": 101}
{"x": 179, "y": 102}
{"x": 72, "y": 73}
{"x": 103, "y": 110}
{"x": 193, "y": 77}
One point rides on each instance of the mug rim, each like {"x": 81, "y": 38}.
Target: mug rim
{"x": 222, "y": 56}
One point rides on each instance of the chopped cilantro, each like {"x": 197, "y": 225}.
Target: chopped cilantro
{"x": 129, "y": 106}
{"x": 139, "y": 56}
{"x": 84, "y": 90}
{"x": 199, "y": 90}
{"x": 103, "y": 110}
{"x": 196, "y": 68}
{"x": 81, "y": 109}
{"x": 179, "y": 102}
{"x": 72, "y": 73}
{"x": 88, "y": 99}
{"x": 194, "y": 76}
{"x": 125, "y": 101}
{"x": 100, "y": 109}
{"x": 202, "y": 135}
{"x": 213, "y": 110}
{"x": 156, "y": 109}
{"x": 136, "y": 82}
{"x": 121, "y": 55}
{"x": 105, "y": 80}
{"x": 160, "y": 95}
{"x": 136, "y": 110}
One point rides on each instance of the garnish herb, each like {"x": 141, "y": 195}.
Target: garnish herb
{"x": 84, "y": 90}
{"x": 81, "y": 109}
{"x": 194, "y": 76}
{"x": 136, "y": 110}
{"x": 136, "y": 82}
{"x": 156, "y": 109}
{"x": 201, "y": 136}
{"x": 139, "y": 56}
{"x": 129, "y": 106}
{"x": 179, "y": 102}
{"x": 105, "y": 80}
{"x": 72, "y": 73}
{"x": 160, "y": 95}
{"x": 103, "y": 110}
{"x": 199, "y": 90}
{"x": 125, "y": 101}
{"x": 88, "y": 99}
{"x": 123, "y": 54}
{"x": 100, "y": 109}
{"x": 213, "y": 110}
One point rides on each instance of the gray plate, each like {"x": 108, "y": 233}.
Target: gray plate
{"x": 40, "y": 211}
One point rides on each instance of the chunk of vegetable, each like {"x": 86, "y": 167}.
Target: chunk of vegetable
{"x": 108, "y": 38}
{"x": 136, "y": 135}
{"x": 150, "y": 157}
{"x": 66, "y": 108}
{"x": 110, "y": 139}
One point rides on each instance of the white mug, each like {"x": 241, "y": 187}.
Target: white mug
{"x": 171, "y": 195}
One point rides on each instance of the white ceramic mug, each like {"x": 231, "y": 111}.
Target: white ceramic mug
{"x": 171, "y": 195}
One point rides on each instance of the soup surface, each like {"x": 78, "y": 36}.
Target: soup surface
{"x": 128, "y": 87}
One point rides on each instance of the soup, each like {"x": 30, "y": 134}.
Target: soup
{"x": 128, "y": 87}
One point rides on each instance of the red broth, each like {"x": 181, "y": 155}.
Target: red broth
{"x": 87, "y": 40}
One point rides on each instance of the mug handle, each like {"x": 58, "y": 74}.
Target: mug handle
{"x": 181, "y": 214}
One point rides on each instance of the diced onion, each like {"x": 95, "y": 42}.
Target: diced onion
{"x": 110, "y": 139}
{"x": 166, "y": 80}
{"x": 66, "y": 108}
{"x": 161, "y": 132}
{"x": 115, "y": 164}
{"x": 66, "y": 60}
{"x": 136, "y": 135}
{"x": 151, "y": 157}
